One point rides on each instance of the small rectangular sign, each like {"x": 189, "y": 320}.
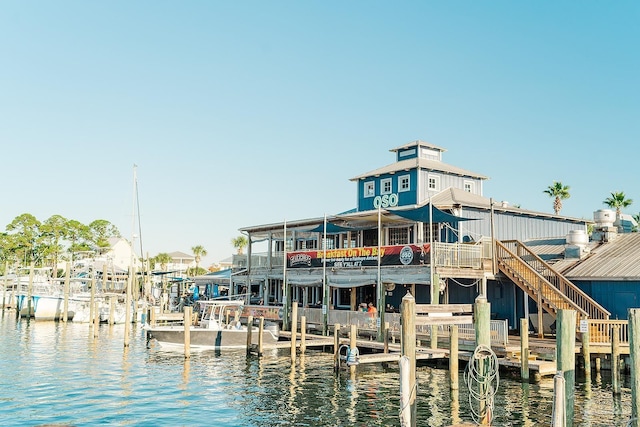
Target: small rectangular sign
{"x": 584, "y": 326}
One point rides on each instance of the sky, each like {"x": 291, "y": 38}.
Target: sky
{"x": 241, "y": 113}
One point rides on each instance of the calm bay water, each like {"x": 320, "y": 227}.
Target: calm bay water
{"x": 55, "y": 373}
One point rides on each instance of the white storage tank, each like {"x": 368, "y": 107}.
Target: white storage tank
{"x": 577, "y": 237}
{"x": 604, "y": 217}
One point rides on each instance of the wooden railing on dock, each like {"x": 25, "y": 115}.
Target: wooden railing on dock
{"x": 600, "y": 331}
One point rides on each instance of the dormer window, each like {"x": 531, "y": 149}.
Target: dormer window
{"x": 385, "y": 186}
{"x": 369, "y": 189}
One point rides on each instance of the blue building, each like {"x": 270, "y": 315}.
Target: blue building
{"x": 422, "y": 226}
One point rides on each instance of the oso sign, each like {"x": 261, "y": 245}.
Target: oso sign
{"x": 385, "y": 201}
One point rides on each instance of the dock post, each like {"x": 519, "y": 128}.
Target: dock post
{"x": 586, "y": 353}
{"x": 6, "y": 283}
{"x": 65, "y": 304}
{"x": 96, "y": 319}
{"x": 615, "y": 359}
{"x": 482, "y": 320}
{"x": 408, "y": 345}
{"x": 559, "y": 416}
{"x": 406, "y": 416}
{"x": 127, "y": 308}
{"x": 524, "y": 349}
{"x": 112, "y": 309}
{"x": 336, "y": 346}
{"x": 634, "y": 344}
{"x": 294, "y": 329}
{"x": 566, "y": 357}
{"x": 386, "y": 337}
{"x": 353, "y": 336}
{"x": 92, "y": 299}
{"x": 30, "y": 290}
{"x": 260, "y": 336}
{"x": 187, "y": 332}
{"x": 303, "y": 334}
{"x": 249, "y": 332}
{"x": 453, "y": 357}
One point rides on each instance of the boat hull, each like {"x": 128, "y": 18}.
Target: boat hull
{"x": 168, "y": 337}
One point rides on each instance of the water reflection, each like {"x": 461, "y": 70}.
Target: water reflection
{"x": 72, "y": 377}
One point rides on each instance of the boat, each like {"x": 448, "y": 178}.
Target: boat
{"x": 218, "y": 327}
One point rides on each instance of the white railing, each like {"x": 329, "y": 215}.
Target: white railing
{"x": 499, "y": 329}
{"x": 457, "y": 255}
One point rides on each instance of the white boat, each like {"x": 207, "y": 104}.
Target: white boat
{"x": 218, "y": 327}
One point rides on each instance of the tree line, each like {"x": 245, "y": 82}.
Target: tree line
{"x": 45, "y": 243}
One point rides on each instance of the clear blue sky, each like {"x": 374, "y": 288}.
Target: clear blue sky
{"x": 241, "y": 113}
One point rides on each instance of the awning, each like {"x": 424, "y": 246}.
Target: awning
{"x": 426, "y": 213}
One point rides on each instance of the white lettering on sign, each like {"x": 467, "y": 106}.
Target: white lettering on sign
{"x": 385, "y": 201}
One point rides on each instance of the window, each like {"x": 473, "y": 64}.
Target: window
{"x": 385, "y": 186}
{"x": 369, "y": 189}
{"x": 404, "y": 183}
{"x": 434, "y": 182}
{"x": 468, "y": 186}
{"x": 399, "y": 236}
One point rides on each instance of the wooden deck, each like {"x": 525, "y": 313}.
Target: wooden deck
{"x": 508, "y": 357}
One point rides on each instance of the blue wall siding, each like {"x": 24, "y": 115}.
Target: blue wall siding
{"x": 404, "y": 198}
{"x": 615, "y": 296}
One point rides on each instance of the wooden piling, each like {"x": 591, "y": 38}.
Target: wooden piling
{"x": 598, "y": 364}
{"x": 29, "y": 289}
{"x": 96, "y": 320}
{"x": 294, "y": 330}
{"x": 408, "y": 346}
{"x": 303, "y": 334}
{"x": 634, "y": 349}
{"x": 249, "y": 332}
{"x": 615, "y": 359}
{"x": 453, "y": 357}
{"x": 586, "y": 352}
{"x": 261, "y": 336}
{"x": 386, "y": 337}
{"x": 559, "y": 416}
{"x": 65, "y": 305}
{"x": 187, "y": 332}
{"x": 566, "y": 356}
{"x": 6, "y": 284}
{"x": 524, "y": 349}
{"x": 336, "y": 346}
{"x": 92, "y": 299}
{"x": 112, "y": 309}
{"x": 482, "y": 323}
{"x": 127, "y": 308}
{"x": 353, "y": 337}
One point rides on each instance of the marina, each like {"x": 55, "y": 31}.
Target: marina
{"x": 66, "y": 374}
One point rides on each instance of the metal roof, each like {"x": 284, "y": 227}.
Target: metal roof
{"x": 413, "y": 163}
{"x": 618, "y": 259}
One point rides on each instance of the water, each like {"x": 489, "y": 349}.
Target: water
{"x": 55, "y": 373}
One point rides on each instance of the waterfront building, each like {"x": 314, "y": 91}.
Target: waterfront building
{"x": 419, "y": 225}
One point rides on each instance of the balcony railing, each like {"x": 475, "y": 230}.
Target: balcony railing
{"x": 454, "y": 255}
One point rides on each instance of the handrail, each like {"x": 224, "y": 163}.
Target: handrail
{"x": 565, "y": 286}
{"x": 538, "y": 284}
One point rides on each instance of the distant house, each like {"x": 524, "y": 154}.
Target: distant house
{"x": 118, "y": 257}
{"x": 181, "y": 262}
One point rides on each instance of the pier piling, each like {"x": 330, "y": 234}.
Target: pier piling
{"x": 260, "y": 337}
{"x": 294, "y": 330}
{"x": 187, "y": 332}
{"x": 408, "y": 346}
{"x": 634, "y": 345}
{"x": 65, "y": 306}
{"x": 524, "y": 349}
{"x": 249, "y": 332}
{"x": 615, "y": 359}
{"x": 566, "y": 357}
{"x": 453, "y": 357}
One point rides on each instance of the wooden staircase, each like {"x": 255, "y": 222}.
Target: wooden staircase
{"x": 543, "y": 284}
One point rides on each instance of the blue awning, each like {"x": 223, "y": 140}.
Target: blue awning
{"x": 426, "y": 214}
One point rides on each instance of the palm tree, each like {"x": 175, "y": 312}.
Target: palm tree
{"x": 559, "y": 192}
{"x": 636, "y": 218}
{"x": 239, "y": 243}
{"x": 617, "y": 201}
{"x": 198, "y": 253}
{"x": 163, "y": 259}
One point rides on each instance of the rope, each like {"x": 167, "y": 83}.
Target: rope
{"x": 482, "y": 378}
